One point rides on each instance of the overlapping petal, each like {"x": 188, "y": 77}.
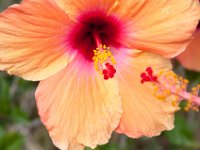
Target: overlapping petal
{"x": 77, "y": 105}
{"x": 143, "y": 114}
{"x": 160, "y": 26}
{"x": 32, "y": 39}
{"x": 75, "y": 8}
{"x": 190, "y": 58}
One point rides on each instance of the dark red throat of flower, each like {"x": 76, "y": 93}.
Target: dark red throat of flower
{"x": 91, "y": 35}
{"x": 81, "y": 37}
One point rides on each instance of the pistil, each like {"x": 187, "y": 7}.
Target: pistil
{"x": 103, "y": 59}
{"x": 168, "y": 85}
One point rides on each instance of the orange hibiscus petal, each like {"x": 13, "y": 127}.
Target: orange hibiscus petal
{"x": 74, "y": 8}
{"x": 190, "y": 58}
{"x": 32, "y": 39}
{"x": 143, "y": 114}
{"x": 163, "y": 27}
{"x": 78, "y": 104}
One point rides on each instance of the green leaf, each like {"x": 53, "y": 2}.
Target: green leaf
{"x": 11, "y": 141}
{"x": 2, "y": 131}
{"x": 182, "y": 134}
{"x": 19, "y": 116}
{"x": 4, "y": 97}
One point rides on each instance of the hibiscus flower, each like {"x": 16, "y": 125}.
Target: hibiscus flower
{"x": 89, "y": 55}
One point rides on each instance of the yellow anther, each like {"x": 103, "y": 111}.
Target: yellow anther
{"x": 161, "y": 97}
{"x": 185, "y": 81}
{"x": 155, "y": 89}
{"x": 167, "y": 92}
{"x": 194, "y": 88}
{"x": 175, "y": 103}
{"x": 186, "y": 109}
{"x": 102, "y": 55}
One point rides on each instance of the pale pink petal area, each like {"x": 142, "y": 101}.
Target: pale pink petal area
{"x": 143, "y": 114}
{"x": 32, "y": 39}
{"x": 190, "y": 58}
{"x": 159, "y": 26}
{"x": 77, "y": 104}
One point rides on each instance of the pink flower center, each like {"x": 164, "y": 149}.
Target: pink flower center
{"x": 89, "y": 25}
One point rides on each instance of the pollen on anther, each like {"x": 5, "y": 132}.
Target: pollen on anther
{"x": 104, "y": 62}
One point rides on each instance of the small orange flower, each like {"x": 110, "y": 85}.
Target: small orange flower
{"x": 89, "y": 55}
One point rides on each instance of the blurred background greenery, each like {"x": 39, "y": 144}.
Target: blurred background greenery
{"x": 21, "y": 129}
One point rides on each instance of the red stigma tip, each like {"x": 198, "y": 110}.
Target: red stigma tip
{"x": 105, "y": 71}
{"x": 107, "y": 64}
{"x": 111, "y": 75}
{"x": 110, "y": 67}
{"x": 143, "y": 75}
{"x": 148, "y": 77}
{"x": 149, "y": 71}
{"x": 106, "y": 77}
{"x": 109, "y": 71}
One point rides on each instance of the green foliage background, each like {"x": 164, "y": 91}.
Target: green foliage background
{"x": 21, "y": 129}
